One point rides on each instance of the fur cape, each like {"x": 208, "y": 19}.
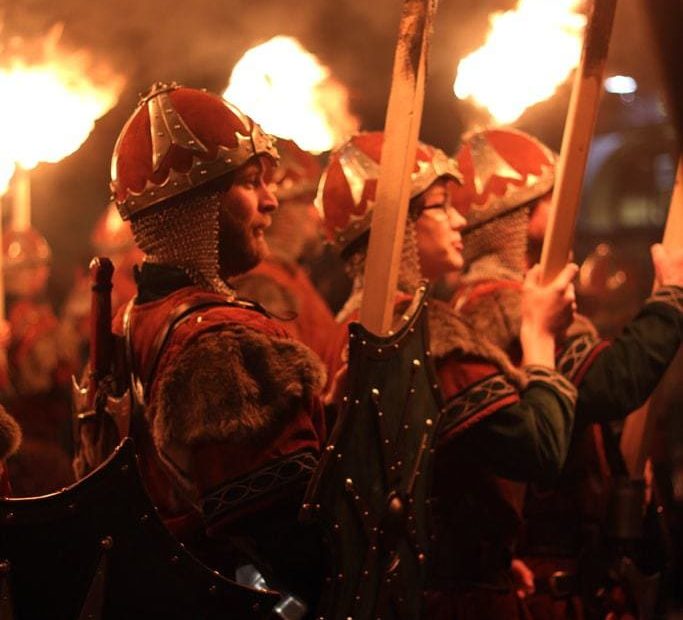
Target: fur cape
{"x": 497, "y": 312}
{"x": 234, "y": 384}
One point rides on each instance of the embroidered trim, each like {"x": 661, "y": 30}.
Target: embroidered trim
{"x": 548, "y": 376}
{"x": 476, "y": 398}
{"x": 669, "y": 295}
{"x": 257, "y": 485}
{"x": 572, "y": 359}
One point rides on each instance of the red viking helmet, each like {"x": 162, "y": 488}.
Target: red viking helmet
{"x": 348, "y": 185}
{"x": 177, "y": 139}
{"x": 503, "y": 169}
{"x": 297, "y": 174}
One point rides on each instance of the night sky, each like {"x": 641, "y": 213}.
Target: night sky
{"x": 196, "y": 43}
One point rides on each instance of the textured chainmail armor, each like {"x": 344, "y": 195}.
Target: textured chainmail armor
{"x": 409, "y": 271}
{"x": 501, "y": 242}
{"x": 185, "y": 235}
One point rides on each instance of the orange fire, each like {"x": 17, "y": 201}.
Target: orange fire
{"x": 6, "y": 172}
{"x": 50, "y": 103}
{"x": 528, "y": 53}
{"x": 292, "y": 95}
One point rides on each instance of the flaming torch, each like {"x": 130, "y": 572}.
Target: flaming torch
{"x": 48, "y": 109}
{"x": 292, "y": 95}
{"x": 529, "y": 52}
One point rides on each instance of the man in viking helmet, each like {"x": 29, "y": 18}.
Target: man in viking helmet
{"x": 230, "y": 427}
{"x": 497, "y": 419}
{"x": 508, "y": 178}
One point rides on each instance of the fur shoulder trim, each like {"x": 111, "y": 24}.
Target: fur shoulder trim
{"x": 237, "y": 383}
{"x": 10, "y": 434}
{"x": 449, "y": 332}
{"x": 496, "y": 312}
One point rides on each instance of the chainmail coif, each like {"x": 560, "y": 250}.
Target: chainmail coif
{"x": 184, "y": 234}
{"x": 499, "y": 244}
{"x": 409, "y": 272}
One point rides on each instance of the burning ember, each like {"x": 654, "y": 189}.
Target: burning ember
{"x": 292, "y": 95}
{"x": 49, "y": 105}
{"x": 528, "y": 53}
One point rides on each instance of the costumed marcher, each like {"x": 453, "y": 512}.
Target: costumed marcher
{"x": 498, "y": 419}
{"x": 231, "y": 426}
{"x": 508, "y": 177}
{"x": 41, "y": 357}
{"x": 280, "y": 282}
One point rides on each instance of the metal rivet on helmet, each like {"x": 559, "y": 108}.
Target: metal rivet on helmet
{"x": 347, "y": 188}
{"x": 177, "y": 139}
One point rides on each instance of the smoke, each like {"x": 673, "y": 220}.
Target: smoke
{"x": 196, "y": 43}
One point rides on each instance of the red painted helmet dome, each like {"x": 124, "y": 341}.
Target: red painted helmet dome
{"x": 503, "y": 169}
{"x": 347, "y": 188}
{"x": 177, "y": 139}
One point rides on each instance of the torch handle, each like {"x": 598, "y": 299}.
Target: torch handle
{"x": 401, "y": 129}
{"x": 578, "y": 132}
{"x": 101, "y": 339}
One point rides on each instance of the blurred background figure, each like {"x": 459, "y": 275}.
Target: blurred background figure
{"x": 281, "y": 282}
{"x": 607, "y": 290}
{"x": 41, "y": 356}
{"x": 111, "y": 237}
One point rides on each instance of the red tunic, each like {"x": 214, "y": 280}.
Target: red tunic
{"x": 478, "y": 515}
{"x": 178, "y": 469}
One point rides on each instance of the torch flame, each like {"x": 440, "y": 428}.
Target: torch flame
{"x": 6, "y": 172}
{"x": 49, "y": 107}
{"x": 528, "y": 53}
{"x": 291, "y": 94}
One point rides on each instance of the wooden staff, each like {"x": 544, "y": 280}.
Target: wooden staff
{"x": 578, "y": 132}
{"x": 401, "y": 129}
{"x": 21, "y": 212}
{"x": 636, "y": 438}
{"x": 2, "y": 272}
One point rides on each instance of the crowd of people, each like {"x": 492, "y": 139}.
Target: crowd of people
{"x": 238, "y": 364}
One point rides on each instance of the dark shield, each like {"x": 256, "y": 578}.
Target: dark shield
{"x": 371, "y": 491}
{"x": 99, "y": 550}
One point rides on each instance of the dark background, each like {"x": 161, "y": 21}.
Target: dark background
{"x": 196, "y": 43}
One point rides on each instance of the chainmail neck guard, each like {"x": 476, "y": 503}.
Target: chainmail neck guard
{"x": 501, "y": 242}
{"x": 409, "y": 271}
{"x": 185, "y": 235}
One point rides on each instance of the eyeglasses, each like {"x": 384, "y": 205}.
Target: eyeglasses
{"x": 442, "y": 212}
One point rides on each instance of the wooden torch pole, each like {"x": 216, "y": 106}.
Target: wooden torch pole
{"x": 21, "y": 213}
{"x": 401, "y": 129}
{"x": 578, "y": 132}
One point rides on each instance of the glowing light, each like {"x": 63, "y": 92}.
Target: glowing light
{"x": 621, "y": 85}
{"x": 49, "y": 105}
{"x": 528, "y": 53}
{"x": 292, "y": 95}
{"x": 6, "y": 171}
